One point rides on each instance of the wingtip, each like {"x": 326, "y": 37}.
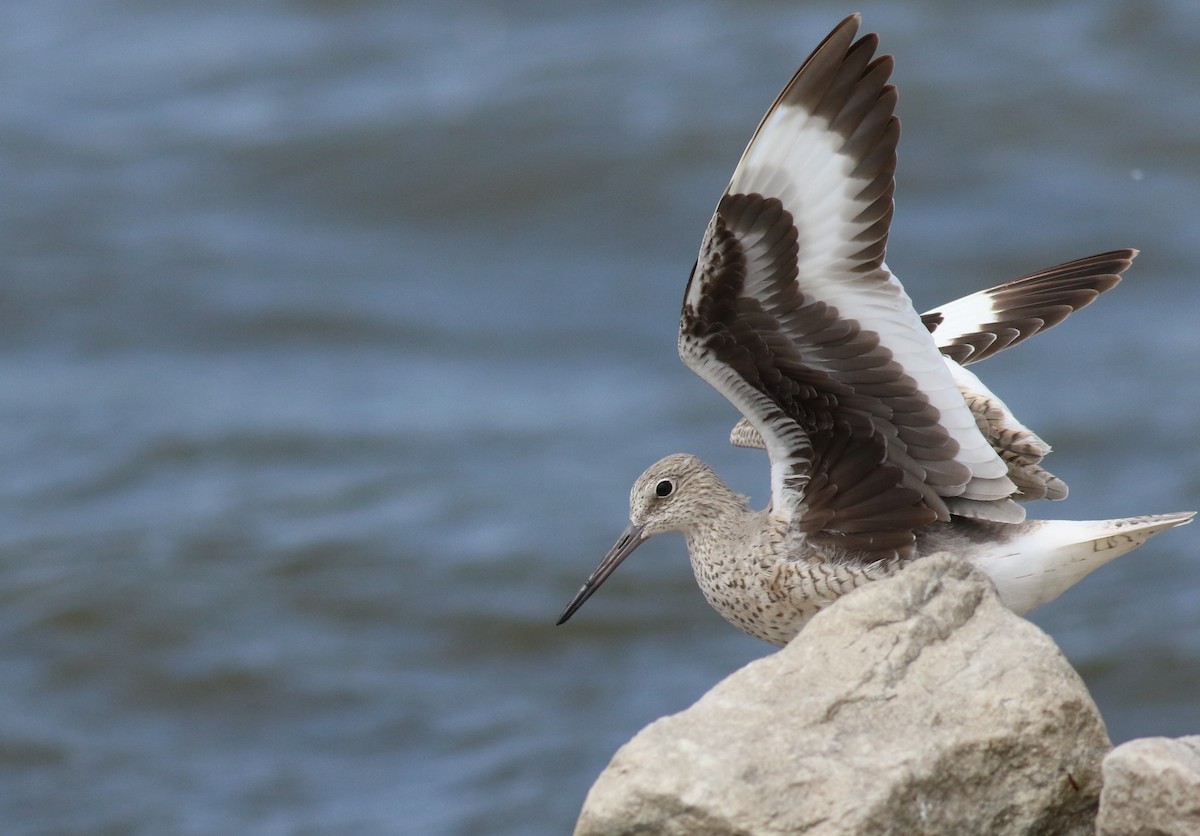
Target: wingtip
{"x": 844, "y": 31}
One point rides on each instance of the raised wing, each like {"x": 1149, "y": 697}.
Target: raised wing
{"x": 977, "y": 326}
{"x": 793, "y": 316}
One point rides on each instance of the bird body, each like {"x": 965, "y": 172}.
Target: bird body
{"x": 768, "y": 580}
{"x": 883, "y": 446}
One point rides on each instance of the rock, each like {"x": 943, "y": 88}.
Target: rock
{"x": 1151, "y": 788}
{"x": 917, "y": 704}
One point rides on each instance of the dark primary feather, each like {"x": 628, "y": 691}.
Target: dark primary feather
{"x": 1029, "y": 305}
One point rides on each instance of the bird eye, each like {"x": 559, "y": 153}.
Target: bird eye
{"x": 664, "y": 488}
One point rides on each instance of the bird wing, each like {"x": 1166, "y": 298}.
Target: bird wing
{"x": 791, "y": 314}
{"x": 975, "y": 327}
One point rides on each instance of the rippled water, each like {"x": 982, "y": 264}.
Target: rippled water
{"x": 332, "y": 335}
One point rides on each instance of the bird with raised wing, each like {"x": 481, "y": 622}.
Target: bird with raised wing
{"x": 883, "y": 446}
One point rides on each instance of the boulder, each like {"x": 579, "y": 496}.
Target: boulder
{"x": 1151, "y": 788}
{"x": 916, "y": 704}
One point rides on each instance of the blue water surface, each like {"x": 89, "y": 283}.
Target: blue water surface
{"x": 333, "y": 334}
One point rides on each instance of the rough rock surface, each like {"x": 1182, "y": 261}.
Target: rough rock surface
{"x": 918, "y": 704}
{"x": 1151, "y": 786}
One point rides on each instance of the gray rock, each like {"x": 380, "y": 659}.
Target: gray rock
{"x": 917, "y": 704}
{"x": 1151, "y": 788}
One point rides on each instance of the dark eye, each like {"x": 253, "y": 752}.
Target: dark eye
{"x": 664, "y": 488}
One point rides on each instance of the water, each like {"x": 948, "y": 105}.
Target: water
{"x": 332, "y": 335}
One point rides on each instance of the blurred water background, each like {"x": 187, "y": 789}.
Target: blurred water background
{"x": 332, "y": 335}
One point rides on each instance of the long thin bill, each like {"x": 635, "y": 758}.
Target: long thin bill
{"x": 631, "y": 538}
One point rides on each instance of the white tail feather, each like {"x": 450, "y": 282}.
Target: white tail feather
{"x": 1050, "y": 556}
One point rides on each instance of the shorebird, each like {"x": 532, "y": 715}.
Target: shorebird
{"x": 883, "y": 447}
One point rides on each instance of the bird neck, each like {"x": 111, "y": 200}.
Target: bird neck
{"x": 717, "y": 508}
